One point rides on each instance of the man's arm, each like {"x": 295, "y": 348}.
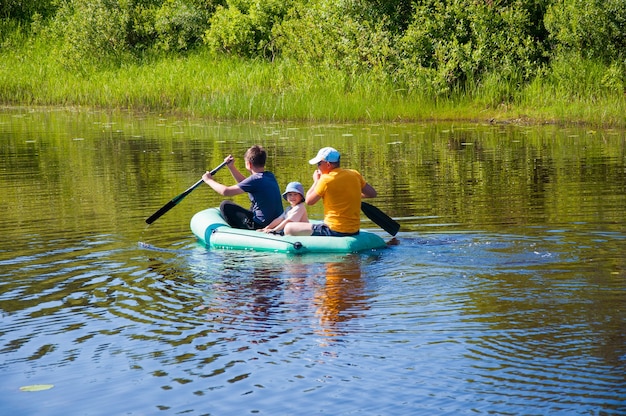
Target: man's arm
{"x": 311, "y": 196}
{"x": 368, "y": 191}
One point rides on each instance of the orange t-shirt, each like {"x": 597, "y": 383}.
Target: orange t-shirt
{"x": 341, "y": 193}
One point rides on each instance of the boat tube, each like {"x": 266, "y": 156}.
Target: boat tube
{"x": 213, "y": 231}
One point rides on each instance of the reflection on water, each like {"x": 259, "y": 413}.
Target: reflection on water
{"x": 340, "y": 297}
{"x": 503, "y": 293}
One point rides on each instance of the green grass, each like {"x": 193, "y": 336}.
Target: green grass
{"x": 203, "y": 85}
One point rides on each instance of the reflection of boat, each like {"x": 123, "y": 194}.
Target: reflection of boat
{"x": 211, "y": 229}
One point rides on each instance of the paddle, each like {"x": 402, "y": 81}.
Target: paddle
{"x": 380, "y": 218}
{"x": 179, "y": 198}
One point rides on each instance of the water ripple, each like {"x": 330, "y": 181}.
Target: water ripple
{"x": 451, "y": 321}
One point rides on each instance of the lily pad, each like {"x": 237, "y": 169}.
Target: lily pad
{"x": 37, "y": 387}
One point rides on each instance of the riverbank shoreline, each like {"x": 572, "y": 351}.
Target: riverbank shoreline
{"x": 231, "y": 89}
{"x": 491, "y": 118}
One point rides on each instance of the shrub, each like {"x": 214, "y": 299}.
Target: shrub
{"x": 105, "y": 32}
{"x": 459, "y": 42}
{"x": 92, "y": 32}
{"x": 179, "y": 25}
{"x": 591, "y": 28}
{"x": 231, "y": 31}
{"x": 337, "y": 37}
{"x": 24, "y": 10}
{"x": 244, "y": 28}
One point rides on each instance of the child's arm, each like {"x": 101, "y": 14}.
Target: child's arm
{"x": 269, "y": 228}
{"x": 294, "y": 214}
{"x": 238, "y": 176}
{"x": 277, "y": 228}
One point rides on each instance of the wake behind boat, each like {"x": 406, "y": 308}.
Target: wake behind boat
{"x": 214, "y": 232}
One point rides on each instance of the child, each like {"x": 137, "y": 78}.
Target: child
{"x": 296, "y": 212}
{"x": 262, "y": 189}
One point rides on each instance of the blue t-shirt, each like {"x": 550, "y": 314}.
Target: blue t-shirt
{"x": 265, "y": 197}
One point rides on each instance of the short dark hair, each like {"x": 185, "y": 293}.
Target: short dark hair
{"x": 256, "y": 155}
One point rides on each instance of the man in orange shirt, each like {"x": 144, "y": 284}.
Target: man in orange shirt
{"x": 341, "y": 191}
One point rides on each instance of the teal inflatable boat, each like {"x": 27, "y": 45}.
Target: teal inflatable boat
{"x": 212, "y": 230}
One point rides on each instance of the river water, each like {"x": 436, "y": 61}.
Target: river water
{"x": 503, "y": 293}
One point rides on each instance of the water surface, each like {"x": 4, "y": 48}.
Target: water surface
{"x": 503, "y": 293}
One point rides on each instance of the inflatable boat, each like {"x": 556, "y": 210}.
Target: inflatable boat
{"x": 211, "y": 229}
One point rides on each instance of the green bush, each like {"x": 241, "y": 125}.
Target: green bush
{"x": 337, "y": 37}
{"x": 594, "y": 29}
{"x": 12, "y": 34}
{"x": 179, "y": 25}
{"x": 92, "y": 32}
{"x": 244, "y": 28}
{"x": 24, "y": 10}
{"x": 110, "y": 32}
{"x": 458, "y": 42}
{"x": 231, "y": 31}
{"x": 396, "y": 13}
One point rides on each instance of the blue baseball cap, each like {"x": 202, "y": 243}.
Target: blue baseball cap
{"x": 328, "y": 154}
{"x": 294, "y": 187}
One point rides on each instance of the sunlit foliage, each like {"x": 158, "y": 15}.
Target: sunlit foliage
{"x": 493, "y": 49}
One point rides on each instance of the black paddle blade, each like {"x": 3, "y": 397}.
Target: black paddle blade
{"x": 152, "y": 218}
{"x": 381, "y": 219}
{"x": 172, "y": 203}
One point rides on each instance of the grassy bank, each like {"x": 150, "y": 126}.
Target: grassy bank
{"x": 202, "y": 85}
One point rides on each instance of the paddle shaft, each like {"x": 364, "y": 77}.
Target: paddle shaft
{"x": 174, "y": 201}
